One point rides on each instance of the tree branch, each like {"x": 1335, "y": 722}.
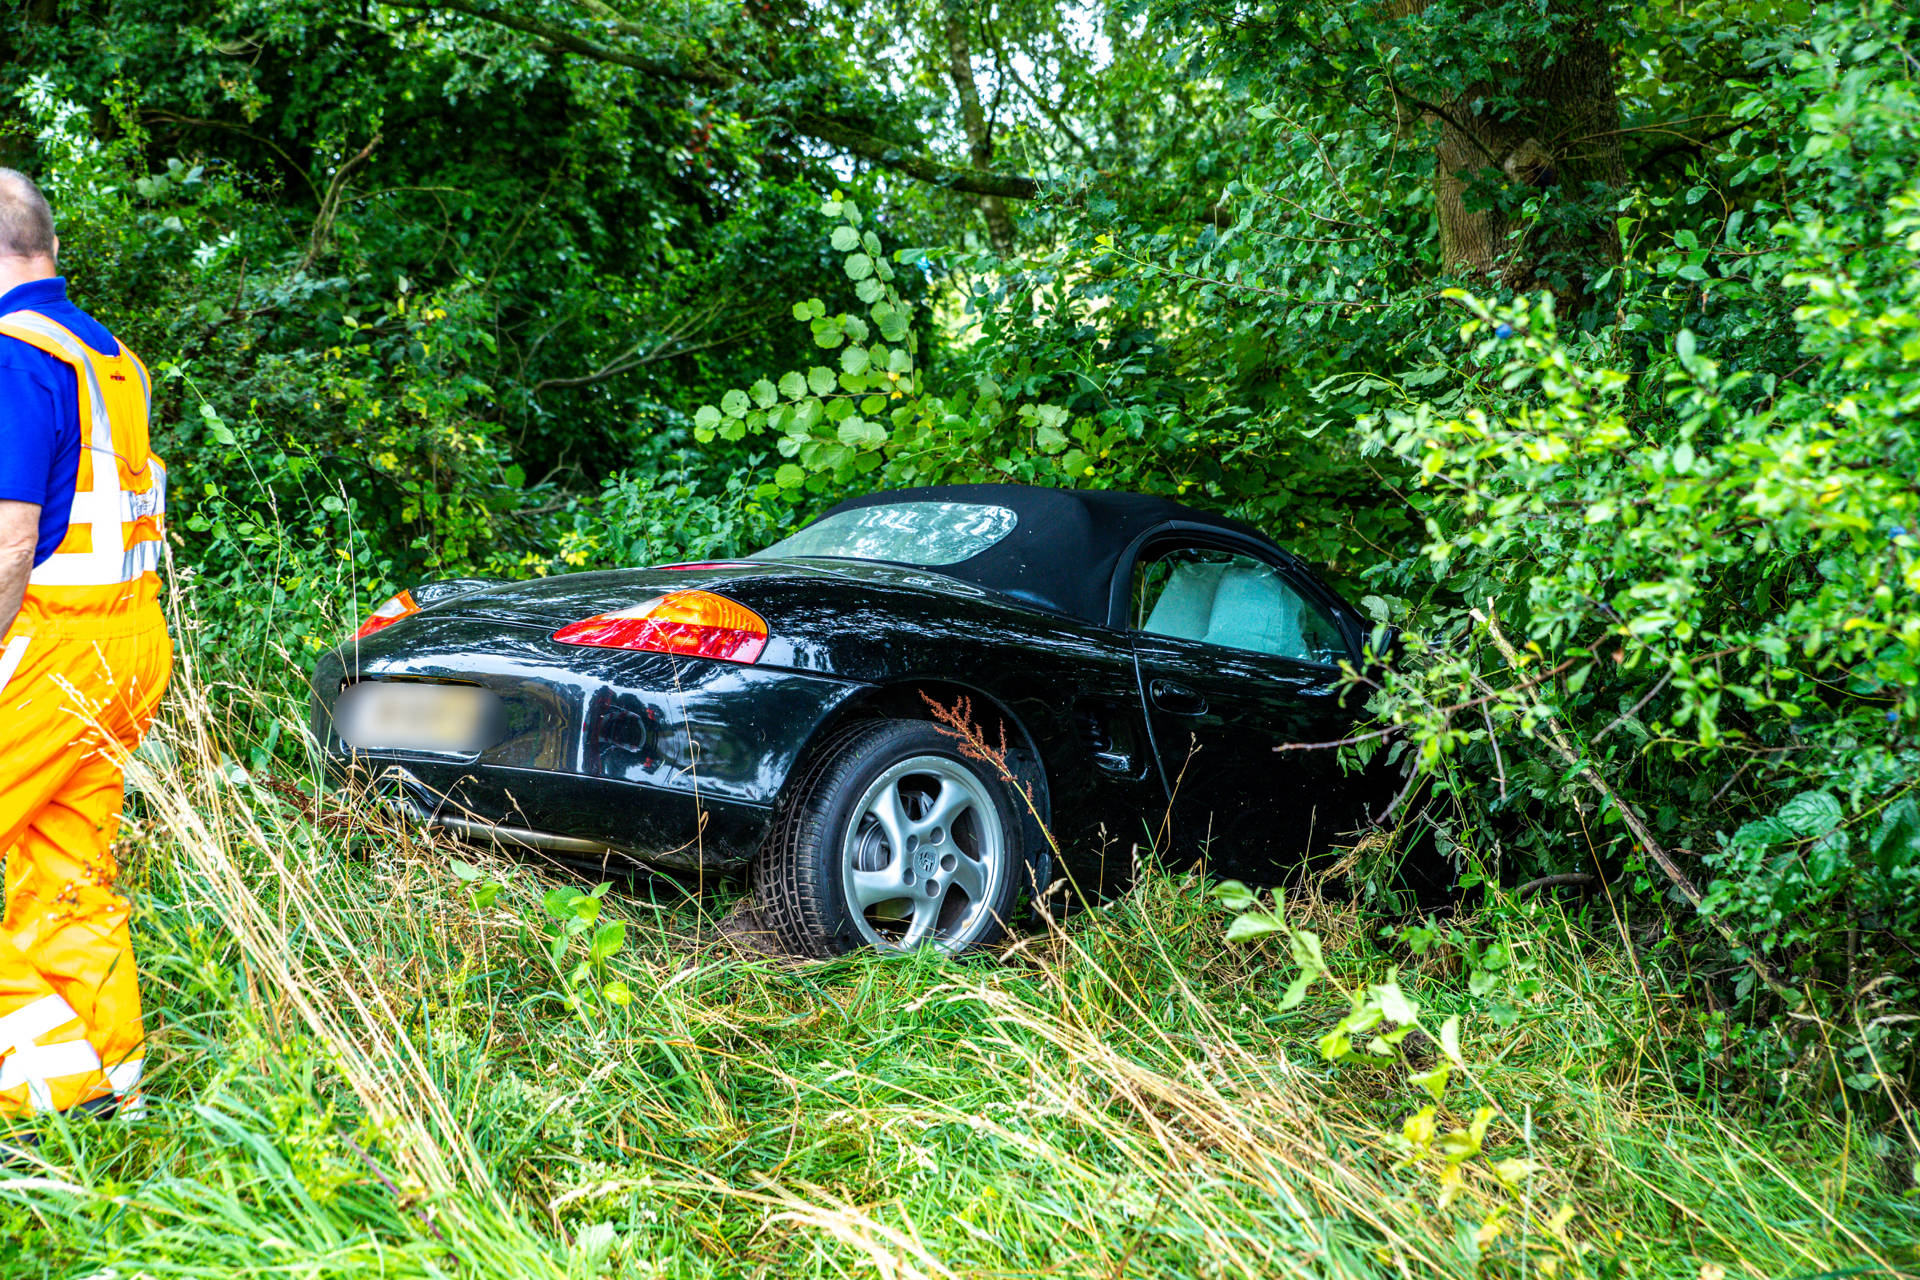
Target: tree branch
{"x": 632, "y": 358}
{"x": 830, "y": 130}
{"x": 572, "y": 42}
{"x": 925, "y": 168}
{"x": 330, "y": 206}
{"x": 1580, "y": 765}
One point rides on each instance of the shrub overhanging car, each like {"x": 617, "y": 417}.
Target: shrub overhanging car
{"x": 1131, "y": 663}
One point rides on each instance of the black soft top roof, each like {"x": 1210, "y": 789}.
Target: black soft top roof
{"x": 1062, "y": 551}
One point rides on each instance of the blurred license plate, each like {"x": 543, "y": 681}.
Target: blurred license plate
{"x": 381, "y": 716}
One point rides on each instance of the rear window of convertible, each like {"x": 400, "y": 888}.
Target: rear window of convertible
{"x": 919, "y": 533}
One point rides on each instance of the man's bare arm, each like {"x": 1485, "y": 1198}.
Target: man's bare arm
{"x": 19, "y": 534}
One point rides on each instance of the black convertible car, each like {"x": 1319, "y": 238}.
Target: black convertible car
{"x": 1140, "y": 661}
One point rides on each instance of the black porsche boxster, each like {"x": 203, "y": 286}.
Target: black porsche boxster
{"x": 779, "y": 714}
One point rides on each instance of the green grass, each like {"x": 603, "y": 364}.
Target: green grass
{"x": 358, "y": 1071}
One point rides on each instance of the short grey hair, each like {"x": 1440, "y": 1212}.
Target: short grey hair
{"x": 26, "y": 221}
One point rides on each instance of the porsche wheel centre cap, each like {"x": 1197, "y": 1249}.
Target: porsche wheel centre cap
{"x": 925, "y": 861}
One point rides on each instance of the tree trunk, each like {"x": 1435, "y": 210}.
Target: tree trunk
{"x": 1563, "y": 140}
{"x": 973, "y": 118}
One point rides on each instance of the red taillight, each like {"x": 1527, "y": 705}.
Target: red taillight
{"x": 699, "y": 623}
{"x": 387, "y": 614}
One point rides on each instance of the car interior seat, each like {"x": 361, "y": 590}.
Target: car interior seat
{"x": 1186, "y": 606}
{"x": 1253, "y": 609}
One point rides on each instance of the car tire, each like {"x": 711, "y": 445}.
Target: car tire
{"x": 892, "y": 838}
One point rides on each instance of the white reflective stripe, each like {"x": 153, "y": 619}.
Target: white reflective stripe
{"x": 37, "y": 1066}
{"x": 9, "y": 663}
{"x": 19, "y": 1029}
{"x": 152, "y": 501}
{"x": 79, "y": 570}
{"x": 93, "y": 507}
{"x": 105, "y": 509}
{"x": 125, "y": 1077}
{"x": 101, "y": 435}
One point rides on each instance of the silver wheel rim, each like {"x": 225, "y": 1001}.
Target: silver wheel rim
{"x": 924, "y": 857}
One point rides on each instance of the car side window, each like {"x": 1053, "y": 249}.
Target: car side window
{"x": 1235, "y": 601}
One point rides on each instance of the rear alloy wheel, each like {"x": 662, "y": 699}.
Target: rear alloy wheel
{"x": 893, "y": 840}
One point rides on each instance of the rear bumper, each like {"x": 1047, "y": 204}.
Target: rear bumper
{"x": 579, "y": 820}
{"x": 678, "y": 761}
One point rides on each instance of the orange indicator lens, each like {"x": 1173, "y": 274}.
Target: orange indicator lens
{"x": 698, "y": 623}
{"x": 386, "y": 615}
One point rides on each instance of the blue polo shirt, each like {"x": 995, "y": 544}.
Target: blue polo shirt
{"x": 40, "y": 410}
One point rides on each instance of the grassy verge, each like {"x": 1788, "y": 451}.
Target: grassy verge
{"x": 378, "y": 1053}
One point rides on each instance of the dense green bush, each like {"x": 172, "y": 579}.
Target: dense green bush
{"x": 1706, "y": 554}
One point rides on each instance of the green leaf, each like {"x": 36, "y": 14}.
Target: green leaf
{"x": 1394, "y": 1004}
{"x": 1233, "y": 895}
{"x": 764, "y": 393}
{"x": 821, "y": 380}
{"x": 789, "y": 477}
{"x": 1050, "y": 439}
{"x": 735, "y": 403}
{"x": 892, "y": 320}
{"x": 870, "y": 290}
{"x": 1811, "y": 813}
{"x": 1306, "y": 951}
{"x": 1254, "y": 924}
{"x": 607, "y": 941}
{"x": 1898, "y": 833}
{"x": 859, "y": 266}
{"x": 1297, "y": 989}
{"x": 1515, "y": 1170}
{"x": 862, "y": 433}
{"x": 1434, "y": 1080}
{"x": 845, "y": 239}
{"x": 793, "y": 385}
{"x": 1450, "y": 1039}
{"x": 854, "y": 361}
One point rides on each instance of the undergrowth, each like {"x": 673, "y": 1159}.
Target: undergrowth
{"x": 378, "y": 1052}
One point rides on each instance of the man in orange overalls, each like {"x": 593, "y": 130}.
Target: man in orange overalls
{"x": 84, "y": 656}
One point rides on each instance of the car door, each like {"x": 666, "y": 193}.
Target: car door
{"x": 1235, "y": 658}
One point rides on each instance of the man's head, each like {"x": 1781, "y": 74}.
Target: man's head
{"x": 28, "y": 246}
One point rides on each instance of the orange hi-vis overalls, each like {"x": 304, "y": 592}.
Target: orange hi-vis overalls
{"x": 81, "y": 671}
